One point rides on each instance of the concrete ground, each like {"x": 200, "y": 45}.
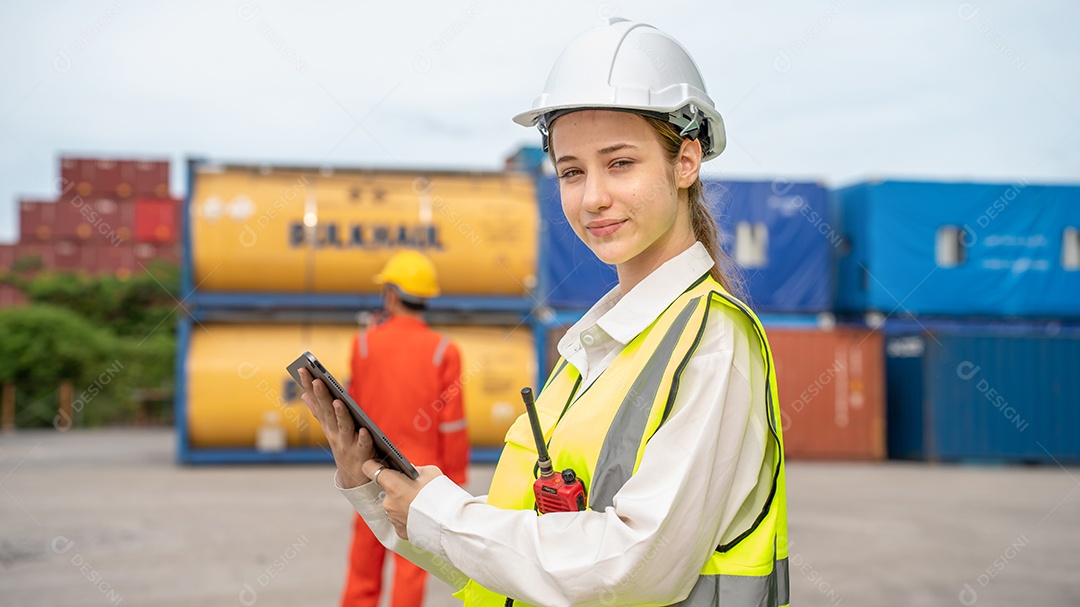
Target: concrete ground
{"x": 107, "y": 518}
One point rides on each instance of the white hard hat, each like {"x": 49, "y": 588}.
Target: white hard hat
{"x": 635, "y": 67}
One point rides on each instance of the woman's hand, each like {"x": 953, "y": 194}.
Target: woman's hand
{"x": 400, "y": 491}
{"x": 350, "y": 448}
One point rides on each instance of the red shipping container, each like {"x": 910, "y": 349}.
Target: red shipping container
{"x": 155, "y": 220}
{"x": 832, "y": 392}
{"x": 151, "y": 179}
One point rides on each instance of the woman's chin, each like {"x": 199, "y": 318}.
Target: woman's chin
{"x": 610, "y": 255}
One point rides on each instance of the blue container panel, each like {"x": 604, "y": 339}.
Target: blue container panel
{"x": 850, "y": 211}
{"x": 796, "y": 274}
{"x": 1012, "y": 254}
{"x": 1003, "y": 397}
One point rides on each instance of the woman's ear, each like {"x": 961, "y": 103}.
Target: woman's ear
{"x": 687, "y": 163}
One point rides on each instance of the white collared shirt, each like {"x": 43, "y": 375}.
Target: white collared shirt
{"x": 693, "y": 490}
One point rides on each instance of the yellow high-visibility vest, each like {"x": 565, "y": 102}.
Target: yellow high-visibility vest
{"x": 752, "y": 569}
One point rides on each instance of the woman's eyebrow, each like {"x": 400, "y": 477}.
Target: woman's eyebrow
{"x": 602, "y": 151}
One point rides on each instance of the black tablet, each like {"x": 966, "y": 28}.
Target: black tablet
{"x": 384, "y": 449}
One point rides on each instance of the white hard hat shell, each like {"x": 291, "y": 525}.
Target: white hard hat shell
{"x": 630, "y": 66}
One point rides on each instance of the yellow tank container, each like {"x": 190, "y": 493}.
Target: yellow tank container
{"x": 238, "y": 386}
{"x": 332, "y": 231}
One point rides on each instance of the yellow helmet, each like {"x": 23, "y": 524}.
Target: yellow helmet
{"x": 411, "y": 272}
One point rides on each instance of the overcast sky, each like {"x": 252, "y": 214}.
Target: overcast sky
{"x": 836, "y": 91}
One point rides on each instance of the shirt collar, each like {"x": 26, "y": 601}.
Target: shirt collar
{"x": 624, "y": 316}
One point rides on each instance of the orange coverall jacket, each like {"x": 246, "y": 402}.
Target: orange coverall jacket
{"x": 408, "y": 379}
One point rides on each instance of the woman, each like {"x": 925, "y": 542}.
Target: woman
{"x": 663, "y": 402}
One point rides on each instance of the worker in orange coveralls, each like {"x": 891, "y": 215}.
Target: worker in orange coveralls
{"x": 408, "y": 379}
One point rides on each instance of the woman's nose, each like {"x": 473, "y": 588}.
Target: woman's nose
{"x": 596, "y": 195}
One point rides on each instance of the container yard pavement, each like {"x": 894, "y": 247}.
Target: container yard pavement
{"x": 107, "y": 518}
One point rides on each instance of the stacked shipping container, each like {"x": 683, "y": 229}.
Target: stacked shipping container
{"x": 280, "y": 258}
{"x": 111, "y": 216}
{"x": 975, "y": 281}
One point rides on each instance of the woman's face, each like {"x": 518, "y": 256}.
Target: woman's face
{"x": 619, "y": 191}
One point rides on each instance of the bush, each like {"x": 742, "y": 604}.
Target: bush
{"x": 113, "y": 339}
{"x": 43, "y": 345}
{"x": 136, "y": 306}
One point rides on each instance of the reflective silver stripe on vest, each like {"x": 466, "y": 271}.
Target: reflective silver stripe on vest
{"x": 615, "y": 464}
{"x": 361, "y": 344}
{"x": 741, "y": 590}
{"x": 439, "y": 351}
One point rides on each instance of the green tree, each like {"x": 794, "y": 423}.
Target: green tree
{"x": 113, "y": 338}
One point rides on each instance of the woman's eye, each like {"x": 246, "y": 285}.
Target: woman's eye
{"x": 568, "y": 173}
{"x": 621, "y": 164}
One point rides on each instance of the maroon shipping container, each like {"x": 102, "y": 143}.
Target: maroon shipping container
{"x": 112, "y": 177}
{"x": 146, "y": 253}
{"x": 11, "y": 296}
{"x": 36, "y": 221}
{"x": 119, "y": 260}
{"x": 69, "y": 256}
{"x": 38, "y": 255}
{"x": 74, "y": 171}
{"x": 96, "y": 219}
{"x": 7, "y": 257}
{"x": 108, "y": 175}
{"x": 156, "y": 220}
{"x": 832, "y": 392}
{"x": 151, "y": 179}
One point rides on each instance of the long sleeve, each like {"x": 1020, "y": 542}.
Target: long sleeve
{"x": 453, "y": 433}
{"x": 696, "y": 485}
{"x": 367, "y": 500}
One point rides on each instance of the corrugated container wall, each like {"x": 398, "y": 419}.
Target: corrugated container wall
{"x": 778, "y": 233}
{"x": 832, "y": 392}
{"x": 110, "y": 177}
{"x": 986, "y": 393}
{"x": 237, "y": 383}
{"x": 960, "y": 249}
{"x": 306, "y": 231}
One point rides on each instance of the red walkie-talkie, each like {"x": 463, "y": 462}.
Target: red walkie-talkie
{"x": 563, "y": 492}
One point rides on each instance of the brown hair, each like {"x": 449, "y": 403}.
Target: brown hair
{"x": 702, "y": 221}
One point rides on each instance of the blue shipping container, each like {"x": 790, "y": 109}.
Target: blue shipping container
{"x": 973, "y": 249}
{"x": 1007, "y": 394}
{"x": 777, "y": 232}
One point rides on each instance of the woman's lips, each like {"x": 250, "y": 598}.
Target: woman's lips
{"x": 605, "y": 227}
